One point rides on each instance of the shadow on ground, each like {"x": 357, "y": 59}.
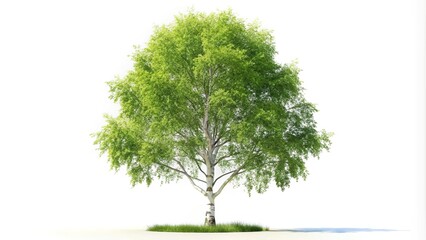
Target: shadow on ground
{"x": 334, "y": 230}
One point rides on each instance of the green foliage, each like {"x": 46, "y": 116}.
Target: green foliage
{"x": 233, "y": 227}
{"x": 207, "y": 90}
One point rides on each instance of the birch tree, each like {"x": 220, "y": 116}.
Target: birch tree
{"x": 206, "y": 101}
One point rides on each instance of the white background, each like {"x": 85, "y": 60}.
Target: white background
{"x": 363, "y": 65}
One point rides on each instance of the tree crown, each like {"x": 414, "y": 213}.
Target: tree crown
{"x": 207, "y": 93}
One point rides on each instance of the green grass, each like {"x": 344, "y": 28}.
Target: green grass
{"x": 232, "y": 227}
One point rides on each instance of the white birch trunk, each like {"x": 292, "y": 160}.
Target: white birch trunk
{"x": 210, "y": 160}
{"x": 210, "y": 213}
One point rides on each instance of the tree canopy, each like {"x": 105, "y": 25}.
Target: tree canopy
{"x": 207, "y": 101}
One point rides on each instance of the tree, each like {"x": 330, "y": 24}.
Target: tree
{"x": 206, "y": 101}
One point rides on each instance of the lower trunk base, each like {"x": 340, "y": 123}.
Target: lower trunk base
{"x": 210, "y": 216}
{"x": 210, "y": 220}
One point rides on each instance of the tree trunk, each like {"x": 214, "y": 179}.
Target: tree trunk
{"x": 210, "y": 213}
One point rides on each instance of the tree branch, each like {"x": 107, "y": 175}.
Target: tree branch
{"x": 222, "y": 158}
{"x": 171, "y": 168}
{"x": 233, "y": 175}
{"x": 223, "y": 176}
{"x": 179, "y": 171}
{"x": 217, "y": 140}
{"x": 191, "y": 103}
{"x": 191, "y": 179}
{"x": 199, "y": 167}
{"x": 186, "y": 173}
{"x": 198, "y": 188}
{"x": 181, "y": 135}
{"x": 221, "y": 144}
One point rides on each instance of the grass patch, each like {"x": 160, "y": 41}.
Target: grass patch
{"x": 232, "y": 227}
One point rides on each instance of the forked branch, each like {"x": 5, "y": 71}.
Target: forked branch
{"x": 230, "y": 178}
{"x": 190, "y": 178}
